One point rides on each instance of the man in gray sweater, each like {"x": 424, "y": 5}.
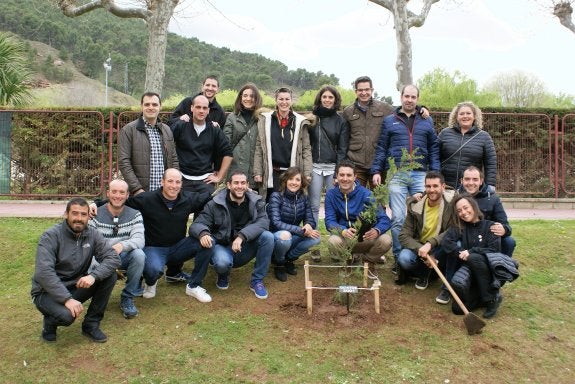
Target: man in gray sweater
{"x": 61, "y": 282}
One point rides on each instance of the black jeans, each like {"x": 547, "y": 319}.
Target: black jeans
{"x": 482, "y": 276}
{"x": 56, "y": 314}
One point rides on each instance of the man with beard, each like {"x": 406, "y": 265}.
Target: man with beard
{"x": 124, "y": 228}
{"x": 232, "y": 229}
{"x": 61, "y": 282}
{"x": 427, "y": 219}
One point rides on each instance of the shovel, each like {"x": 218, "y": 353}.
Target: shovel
{"x": 472, "y": 322}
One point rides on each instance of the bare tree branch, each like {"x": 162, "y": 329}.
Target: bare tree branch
{"x": 564, "y": 12}
{"x": 71, "y": 9}
{"x": 403, "y": 19}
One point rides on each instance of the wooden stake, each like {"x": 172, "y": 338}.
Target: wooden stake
{"x": 365, "y": 271}
{"x": 376, "y": 297}
{"x": 308, "y": 288}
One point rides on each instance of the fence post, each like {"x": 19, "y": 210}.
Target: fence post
{"x": 556, "y": 156}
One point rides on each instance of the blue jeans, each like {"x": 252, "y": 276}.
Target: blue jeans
{"x": 314, "y": 190}
{"x": 224, "y": 259}
{"x": 292, "y": 248}
{"x": 401, "y": 186}
{"x": 133, "y": 262}
{"x": 410, "y": 262}
{"x": 174, "y": 256}
{"x": 508, "y": 245}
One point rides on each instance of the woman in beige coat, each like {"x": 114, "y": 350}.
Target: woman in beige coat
{"x": 283, "y": 142}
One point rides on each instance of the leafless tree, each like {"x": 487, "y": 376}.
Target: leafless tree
{"x": 403, "y": 19}
{"x": 563, "y": 9}
{"x": 156, "y": 14}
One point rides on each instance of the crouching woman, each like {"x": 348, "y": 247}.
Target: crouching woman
{"x": 467, "y": 245}
{"x": 292, "y": 222}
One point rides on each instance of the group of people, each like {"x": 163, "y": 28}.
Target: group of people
{"x": 275, "y": 164}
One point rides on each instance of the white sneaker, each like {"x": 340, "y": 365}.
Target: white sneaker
{"x": 199, "y": 293}
{"x": 149, "y": 290}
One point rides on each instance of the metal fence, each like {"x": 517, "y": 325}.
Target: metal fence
{"x": 56, "y": 154}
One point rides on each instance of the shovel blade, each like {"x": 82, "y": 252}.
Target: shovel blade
{"x": 473, "y": 323}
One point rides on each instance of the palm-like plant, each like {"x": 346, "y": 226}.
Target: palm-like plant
{"x": 14, "y": 72}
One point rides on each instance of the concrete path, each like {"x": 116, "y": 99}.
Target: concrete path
{"x": 37, "y": 208}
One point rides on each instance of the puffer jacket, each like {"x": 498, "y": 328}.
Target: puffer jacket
{"x": 300, "y": 154}
{"x": 330, "y": 149}
{"x": 286, "y": 210}
{"x": 134, "y": 153}
{"x": 342, "y": 210}
{"x": 364, "y": 129}
{"x": 242, "y": 137}
{"x": 415, "y": 220}
{"x": 215, "y": 219}
{"x": 458, "y": 151}
{"x": 395, "y": 136}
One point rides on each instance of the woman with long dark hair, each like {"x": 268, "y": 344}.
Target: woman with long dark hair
{"x": 291, "y": 222}
{"x": 467, "y": 245}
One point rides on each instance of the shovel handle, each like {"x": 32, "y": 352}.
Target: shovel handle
{"x": 442, "y": 277}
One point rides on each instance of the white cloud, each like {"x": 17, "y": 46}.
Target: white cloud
{"x": 355, "y": 37}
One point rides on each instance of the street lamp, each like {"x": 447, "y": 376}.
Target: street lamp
{"x": 108, "y": 68}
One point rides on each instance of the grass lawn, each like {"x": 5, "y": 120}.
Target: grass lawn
{"x": 240, "y": 339}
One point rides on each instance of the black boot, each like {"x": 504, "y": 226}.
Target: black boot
{"x": 49, "y": 332}
{"x": 290, "y": 268}
{"x": 492, "y": 306}
{"x": 280, "y": 272}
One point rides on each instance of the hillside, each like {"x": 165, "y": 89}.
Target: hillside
{"x": 88, "y": 40}
{"x": 80, "y": 91}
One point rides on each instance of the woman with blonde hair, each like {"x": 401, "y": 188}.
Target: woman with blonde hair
{"x": 464, "y": 143}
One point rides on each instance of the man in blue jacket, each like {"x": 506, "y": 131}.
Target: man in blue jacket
{"x": 342, "y": 208}
{"x": 61, "y": 281}
{"x": 232, "y": 230}
{"x": 405, "y": 129}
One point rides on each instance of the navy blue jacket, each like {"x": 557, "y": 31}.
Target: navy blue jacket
{"x": 287, "y": 210}
{"x": 341, "y": 210}
{"x": 395, "y": 135}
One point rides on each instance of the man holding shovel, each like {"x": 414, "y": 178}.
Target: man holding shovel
{"x": 428, "y": 217}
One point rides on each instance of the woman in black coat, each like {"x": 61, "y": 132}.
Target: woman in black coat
{"x": 466, "y": 245}
{"x": 464, "y": 143}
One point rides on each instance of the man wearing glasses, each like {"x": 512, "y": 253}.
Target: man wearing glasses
{"x": 123, "y": 227}
{"x": 364, "y": 117}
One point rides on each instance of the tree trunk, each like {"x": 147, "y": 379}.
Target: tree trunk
{"x": 160, "y": 13}
{"x": 403, "y": 64}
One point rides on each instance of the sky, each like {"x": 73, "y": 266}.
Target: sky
{"x": 350, "y": 38}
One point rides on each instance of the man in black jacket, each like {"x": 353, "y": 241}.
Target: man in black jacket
{"x": 166, "y": 212}
{"x": 204, "y": 152}
{"x": 232, "y": 229}
{"x": 490, "y": 204}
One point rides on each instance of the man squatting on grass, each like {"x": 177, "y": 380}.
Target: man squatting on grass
{"x": 61, "y": 282}
{"x": 123, "y": 227}
{"x": 232, "y": 229}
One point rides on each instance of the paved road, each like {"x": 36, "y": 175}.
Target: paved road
{"x": 27, "y": 208}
